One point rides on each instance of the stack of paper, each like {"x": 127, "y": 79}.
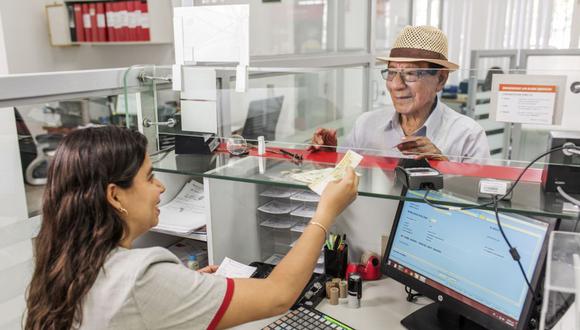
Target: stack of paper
{"x": 186, "y": 212}
{"x": 233, "y": 269}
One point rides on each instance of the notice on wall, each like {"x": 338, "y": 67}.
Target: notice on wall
{"x": 527, "y": 99}
{"x": 527, "y": 104}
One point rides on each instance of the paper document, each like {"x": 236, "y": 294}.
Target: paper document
{"x": 233, "y": 269}
{"x": 186, "y": 212}
{"x": 528, "y": 104}
{"x": 311, "y": 176}
{"x": 350, "y": 159}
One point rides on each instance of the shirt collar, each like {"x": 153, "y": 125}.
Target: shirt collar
{"x": 433, "y": 121}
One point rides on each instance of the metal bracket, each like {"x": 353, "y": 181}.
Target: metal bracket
{"x": 145, "y": 77}
{"x": 169, "y": 123}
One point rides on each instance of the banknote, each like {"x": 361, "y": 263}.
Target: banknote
{"x": 350, "y": 159}
{"x": 311, "y": 176}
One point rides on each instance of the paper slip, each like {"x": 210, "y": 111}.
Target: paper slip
{"x": 186, "y": 212}
{"x": 311, "y": 176}
{"x": 233, "y": 269}
{"x": 350, "y": 159}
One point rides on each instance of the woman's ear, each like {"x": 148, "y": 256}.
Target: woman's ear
{"x": 113, "y": 196}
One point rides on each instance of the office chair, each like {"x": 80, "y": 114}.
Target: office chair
{"x": 35, "y": 152}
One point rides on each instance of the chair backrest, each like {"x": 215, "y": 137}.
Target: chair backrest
{"x": 262, "y": 118}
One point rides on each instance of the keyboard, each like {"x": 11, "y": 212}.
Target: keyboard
{"x": 304, "y": 318}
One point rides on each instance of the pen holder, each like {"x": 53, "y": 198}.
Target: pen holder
{"x": 335, "y": 261}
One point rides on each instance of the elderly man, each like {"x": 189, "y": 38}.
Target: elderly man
{"x": 420, "y": 124}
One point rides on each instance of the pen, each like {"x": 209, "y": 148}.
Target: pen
{"x": 291, "y": 154}
{"x": 336, "y": 242}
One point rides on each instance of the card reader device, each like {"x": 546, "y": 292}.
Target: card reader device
{"x": 418, "y": 174}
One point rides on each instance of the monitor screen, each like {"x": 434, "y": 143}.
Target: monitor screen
{"x": 462, "y": 255}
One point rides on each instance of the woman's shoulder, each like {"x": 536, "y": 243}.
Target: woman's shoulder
{"x": 139, "y": 259}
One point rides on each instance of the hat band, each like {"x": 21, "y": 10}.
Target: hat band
{"x": 416, "y": 53}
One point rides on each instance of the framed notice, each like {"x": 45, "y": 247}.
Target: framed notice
{"x": 527, "y": 99}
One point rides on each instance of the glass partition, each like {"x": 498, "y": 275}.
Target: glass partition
{"x": 288, "y": 105}
{"x": 46, "y": 115}
{"x": 304, "y": 26}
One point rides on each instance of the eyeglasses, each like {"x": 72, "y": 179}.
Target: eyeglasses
{"x": 408, "y": 75}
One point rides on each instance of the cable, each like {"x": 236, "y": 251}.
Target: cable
{"x": 451, "y": 208}
{"x": 568, "y": 197}
{"x": 568, "y": 148}
{"x": 513, "y": 251}
{"x": 411, "y": 297}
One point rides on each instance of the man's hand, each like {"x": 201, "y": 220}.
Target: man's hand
{"x": 421, "y": 147}
{"x": 323, "y": 137}
{"x": 209, "y": 269}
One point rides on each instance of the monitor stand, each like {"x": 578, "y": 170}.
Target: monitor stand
{"x": 436, "y": 317}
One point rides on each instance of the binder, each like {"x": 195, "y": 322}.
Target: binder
{"x": 124, "y": 18}
{"x": 87, "y": 22}
{"x": 71, "y": 22}
{"x": 132, "y": 21}
{"x": 101, "y": 22}
{"x": 93, "y": 16}
{"x": 145, "y": 26}
{"x": 138, "y": 27}
{"x": 110, "y": 21}
{"x": 80, "y": 32}
{"x": 117, "y": 20}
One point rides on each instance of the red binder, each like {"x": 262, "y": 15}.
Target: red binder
{"x": 79, "y": 26}
{"x": 132, "y": 15}
{"x": 94, "y": 29}
{"x": 116, "y": 21}
{"x": 138, "y": 27}
{"x": 87, "y": 22}
{"x": 110, "y": 21}
{"x": 124, "y": 19}
{"x": 101, "y": 22}
{"x": 145, "y": 25}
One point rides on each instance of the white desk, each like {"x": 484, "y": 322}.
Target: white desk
{"x": 383, "y": 305}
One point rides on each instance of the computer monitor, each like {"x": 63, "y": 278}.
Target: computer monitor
{"x": 460, "y": 260}
{"x": 262, "y": 118}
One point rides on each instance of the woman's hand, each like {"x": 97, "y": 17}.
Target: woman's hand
{"x": 209, "y": 269}
{"x": 338, "y": 195}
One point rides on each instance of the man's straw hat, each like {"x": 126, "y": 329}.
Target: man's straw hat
{"x": 420, "y": 43}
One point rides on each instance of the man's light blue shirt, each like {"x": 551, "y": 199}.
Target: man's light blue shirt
{"x": 458, "y": 137}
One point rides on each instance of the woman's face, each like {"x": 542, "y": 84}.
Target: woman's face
{"x": 141, "y": 200}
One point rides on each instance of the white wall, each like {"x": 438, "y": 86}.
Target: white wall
{"x": 28, "y": 47}
{"x": 15, "y": 233}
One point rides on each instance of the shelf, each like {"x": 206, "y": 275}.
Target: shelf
{"x": 528, "y": 197}
{"x": 63, "y": 23}
{"x": 119, "y": 43}
{"x": 195, "y": 236}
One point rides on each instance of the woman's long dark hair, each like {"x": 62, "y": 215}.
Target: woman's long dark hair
{"x": 79, "y": 227}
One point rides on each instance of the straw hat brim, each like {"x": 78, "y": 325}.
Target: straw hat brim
{"x": 449, "y": 65}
